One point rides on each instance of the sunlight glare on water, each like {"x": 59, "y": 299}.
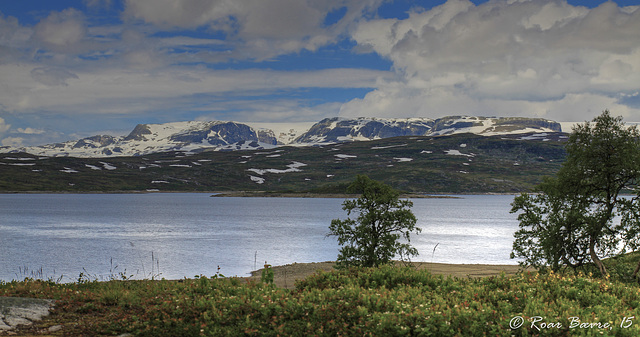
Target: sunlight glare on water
{"x": 188, "y": 234}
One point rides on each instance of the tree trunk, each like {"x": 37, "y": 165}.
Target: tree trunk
{"x": 635, "y": 272}
{"x": 596, "y": 259}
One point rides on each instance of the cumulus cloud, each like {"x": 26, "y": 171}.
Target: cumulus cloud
{"x": 30, "y": 131}
{"x": 16, "y": 137}
{"x": 540, "y": 58}
{"x": 69, "y": 65}
{"x": 13, "y": 38}
{"x": 61, "y": 31}
{"x": 4, "y": 126}
{"x": 12, "y": 141}
{"x": 263, "y": 28}
{"x": 505, "y": 57}
{"x": 8, "y": 28}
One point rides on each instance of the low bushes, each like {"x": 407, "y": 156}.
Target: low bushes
{"x": 384, "y": 301}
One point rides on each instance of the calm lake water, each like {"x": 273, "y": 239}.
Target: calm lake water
{"x": 181, "y": 235}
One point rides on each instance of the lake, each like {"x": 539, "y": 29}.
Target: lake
{"x": 177, "y": 235}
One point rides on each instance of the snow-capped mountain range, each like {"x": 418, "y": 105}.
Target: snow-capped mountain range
{"x": 196, "y": 136}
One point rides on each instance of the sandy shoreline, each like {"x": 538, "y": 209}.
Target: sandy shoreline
{"x": 285, "y": 276}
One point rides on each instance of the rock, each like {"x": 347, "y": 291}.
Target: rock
{"x": 139, "y": 132}
{"x": 54, "y": 328}
{"x": 15, "y": 311}
{"x": 95, "y": 141}
{"x": 220, "y": 133}
{"x": 3, "y": 326}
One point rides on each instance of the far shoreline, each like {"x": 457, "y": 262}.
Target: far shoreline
{"x": 279, "y": 194}
{"x": 270, "y": 194}
{"x": 261, "y": 194}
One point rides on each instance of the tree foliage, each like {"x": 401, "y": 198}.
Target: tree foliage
{"x": 373, "y": 237}
{"x": 571, "y": 221}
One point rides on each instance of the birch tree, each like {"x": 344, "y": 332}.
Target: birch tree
{"x": 374, "y": 236}
{"x": 570, "y": 221}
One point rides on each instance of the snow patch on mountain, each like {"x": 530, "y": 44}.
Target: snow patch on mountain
{"x": 457, "y": 153}
{"x": 344, "y": 156}
{"x": 334, "y": 130}
{"x": 197, "y": 136}
{"x": 293, "y": 167}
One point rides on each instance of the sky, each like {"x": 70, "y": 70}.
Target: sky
{"x": 76, "y": 68}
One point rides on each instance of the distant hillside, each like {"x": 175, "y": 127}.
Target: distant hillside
{"x": 198, "y": 136}
{"x": 334, "y": 130}
{"x": 459, "y": 163}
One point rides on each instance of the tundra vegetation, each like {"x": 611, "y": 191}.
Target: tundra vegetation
{"x": 439, "y": 164}
{"x": 568, "y": 223}
{"x": 380, "y": 301}
{"x": 571, "y": 220}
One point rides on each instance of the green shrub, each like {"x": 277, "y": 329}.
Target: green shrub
{"x": 384, "y": 301}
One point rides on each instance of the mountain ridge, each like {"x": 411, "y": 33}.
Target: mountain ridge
{"x": 198, "y": 136}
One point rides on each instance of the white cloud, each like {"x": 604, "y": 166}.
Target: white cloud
{"x": 542, "y": 58}
{"x": 13, "y": 141}
{"x": 17, "y": 137}
{"x": 262, "y": 29}
{"x": 30, "y": 131}
{"x": 68, "y": 65}
{"x": 121, "y": 90}
{"x": 267, "y": 111}
{"x": 4, "y": 126}
{"x": 514, "y": 58}
{"x": 61, "y": 31}
{"x": 13, "y": 39}
{"x": 178, "y": 13}
{"x": 553, "y": 14}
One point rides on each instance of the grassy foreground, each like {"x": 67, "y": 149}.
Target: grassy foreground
{"x": 385, "y": 301}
